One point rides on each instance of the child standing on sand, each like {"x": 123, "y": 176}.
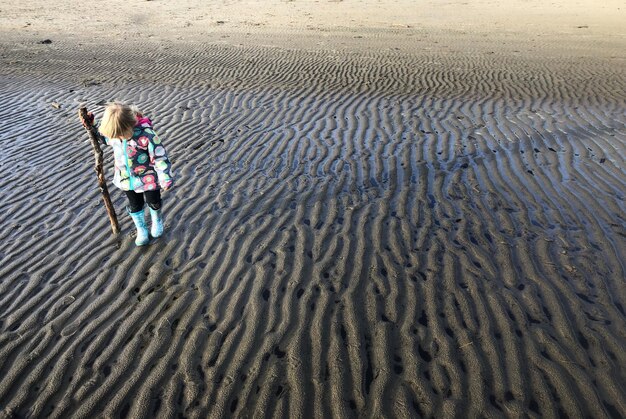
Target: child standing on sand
{"x": 141, "y": 165}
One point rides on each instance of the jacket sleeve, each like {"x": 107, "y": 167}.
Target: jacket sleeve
{"x": 158, "y": 159}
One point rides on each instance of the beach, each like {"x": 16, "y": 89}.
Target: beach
{"x": 380, "y": 209}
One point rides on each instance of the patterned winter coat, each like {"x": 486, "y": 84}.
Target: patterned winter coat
{"x": 141, "y": 163}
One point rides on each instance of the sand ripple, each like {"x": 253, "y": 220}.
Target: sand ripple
{"x": 363, "y": 234}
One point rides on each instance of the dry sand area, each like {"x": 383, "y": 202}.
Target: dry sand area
{"x": 382, "y": 209}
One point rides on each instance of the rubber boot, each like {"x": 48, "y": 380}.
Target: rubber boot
{"x": 156, "y": 229}
{"x": 142, "y": 229}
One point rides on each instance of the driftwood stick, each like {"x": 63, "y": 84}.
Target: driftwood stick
{"x": 97, "y": 151}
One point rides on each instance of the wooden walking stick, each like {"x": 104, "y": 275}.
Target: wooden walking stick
{"x": 97, "y": 151}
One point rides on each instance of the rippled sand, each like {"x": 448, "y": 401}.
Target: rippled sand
{"x": 401, "y": 225}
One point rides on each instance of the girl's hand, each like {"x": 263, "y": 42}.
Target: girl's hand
{"x": 166, "y": 186}
{"x": 87, "y": 123}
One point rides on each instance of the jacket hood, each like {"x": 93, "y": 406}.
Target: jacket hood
{"x": 143, "y": 121}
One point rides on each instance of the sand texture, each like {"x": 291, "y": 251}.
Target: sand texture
{"x": 390, "y": 223}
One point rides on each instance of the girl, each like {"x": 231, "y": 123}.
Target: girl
{"x": 141, "y": 165}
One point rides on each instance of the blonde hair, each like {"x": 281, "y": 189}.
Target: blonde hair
{"x": 118, "y": 120}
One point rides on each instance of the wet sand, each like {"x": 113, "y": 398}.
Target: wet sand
{"x": 379, "y": 222}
